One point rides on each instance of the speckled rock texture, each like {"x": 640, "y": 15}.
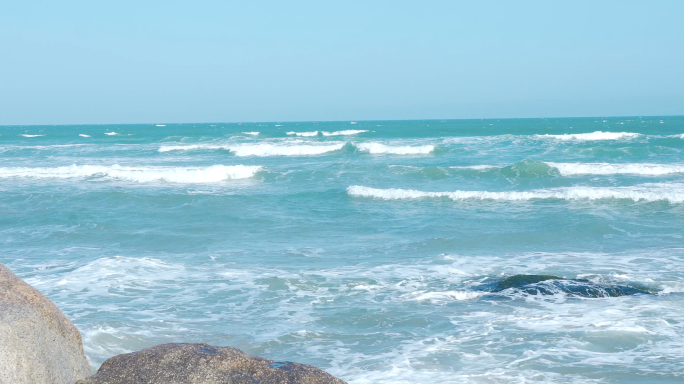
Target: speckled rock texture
{"x": 38, "y": 344}
{"x": 203, "y": 363}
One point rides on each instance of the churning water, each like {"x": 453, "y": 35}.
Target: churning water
{"x": 380, "y": 251}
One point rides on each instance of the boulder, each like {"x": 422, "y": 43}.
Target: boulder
{"x": 203, "y": 363}
{"x": 38, "y": 344}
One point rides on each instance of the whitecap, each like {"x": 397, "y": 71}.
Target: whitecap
{"x": 251, "y": 133}
{"x": 83, "y": 135}
{"x": 264, "y": 149}
{"x": 475, "y": 167}
{"x": 378, "y": 148}
{"x": 569, "y": 169}
{"x": 303, "y": 134}
{"x": 673, "y": 193}
{"x": 346, "y": 132}
{"x": 27, "y": 135}
{"x": 183, "y": 175}
{"x": 592, "y": 136}
{"x": 285, "y": 149}
{"x": 112, "y": 134}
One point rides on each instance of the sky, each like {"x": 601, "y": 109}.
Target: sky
{"x": 88, "y": 62}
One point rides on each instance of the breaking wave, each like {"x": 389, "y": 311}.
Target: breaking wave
{"x": 300, "y": 148}
{"x": 593, "y": 136}
{"x": 378, "y": 148}
{"x": 265, "y": 149}
{"x": 674, "y": 193}
{"x": 183, "y": 175}
{"x": 27, "y": 135}
{"x": 345, "y": 132}
{"x": 532, "y": 168}
{"x": 568, "y": 169}
{"x": 305, "y": 134}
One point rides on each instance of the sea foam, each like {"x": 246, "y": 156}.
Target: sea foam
{"x": 264, "y": 149}
{"x": 345, "y": 132}
{"x": 673, "y": 193}
{"x": 378, "y": 148}
{"x": 183, "y": 175}
{"x": 27, "y": 135}
{"x": 569, "y": 169}
{"x": 593, "y": 136}
{"x": 305, "y": 134}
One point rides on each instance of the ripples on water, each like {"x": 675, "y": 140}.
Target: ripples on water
{"x": 373, "y": 252}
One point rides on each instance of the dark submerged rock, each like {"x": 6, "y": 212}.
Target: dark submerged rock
{"x": 518, "y": 281}
{"x": 549, "y": 285}
{"x": 203, "y": 363}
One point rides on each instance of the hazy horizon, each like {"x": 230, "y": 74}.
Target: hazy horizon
{"x": 340, "y": 121}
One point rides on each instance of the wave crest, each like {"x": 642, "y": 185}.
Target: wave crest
{"x": 378, "y": 148}
{"x": 265, "y": 149}
{"x": 673, "y": 193}
{"x": 592, "y": 136}
{"x": 346, "y": 132}
{"x": 183, "y": 175}
{"x": 569, "y": 169}
{"x": 304, "y": 134}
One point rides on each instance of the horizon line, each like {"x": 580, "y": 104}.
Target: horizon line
{"x": 347, "y": 121}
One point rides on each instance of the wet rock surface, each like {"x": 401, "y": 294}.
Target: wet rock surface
{"x": 550, "y": 285}
{"x": 38, "y": 344}
{"x": 203, "y": 363}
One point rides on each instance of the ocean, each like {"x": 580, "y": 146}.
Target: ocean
{"x": 369, "y": 249}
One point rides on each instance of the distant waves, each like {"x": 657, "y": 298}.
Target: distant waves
{"x": 302, "y": 148}
{"x": 183, "y": 175}
{"x": 672, "y": 192}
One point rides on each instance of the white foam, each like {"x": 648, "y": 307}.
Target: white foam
{"x": 353, "y": 122}
{"x": 191, "y": 147}
{"x": 27, "y": 135}
{"x": 378, "y": 148}
{"x": 285, "y": 149}
{"x": 83, "y": 135}
{"x": 264, "y": 149}
{"x": 112, "y": 134}
{"x": 40, "y": 147}
{"x": 184, "y": 175}
{"x": 446, "y": 296}
{"x": 305, "y": 134}
{"x": 251, "y": 133}
{"x": 161, "y": 125}
{"x": 593, "y": 136}
{"x": 475, "y": 167}
{"x": 673, "y": 193}
{"x": 346, "y": 132}
{"x": 568, "y": 169}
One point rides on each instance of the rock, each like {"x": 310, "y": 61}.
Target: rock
{"x": 38, "y": 344}
{"x": 551, "y": 285}
{"x": 518, "y": 281}
{"x": 203, "y": 363}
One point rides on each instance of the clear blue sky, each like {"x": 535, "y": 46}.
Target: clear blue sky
{"x": 72, "y": 62}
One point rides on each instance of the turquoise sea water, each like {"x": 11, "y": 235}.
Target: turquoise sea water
{"x": 364, "y": 248}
